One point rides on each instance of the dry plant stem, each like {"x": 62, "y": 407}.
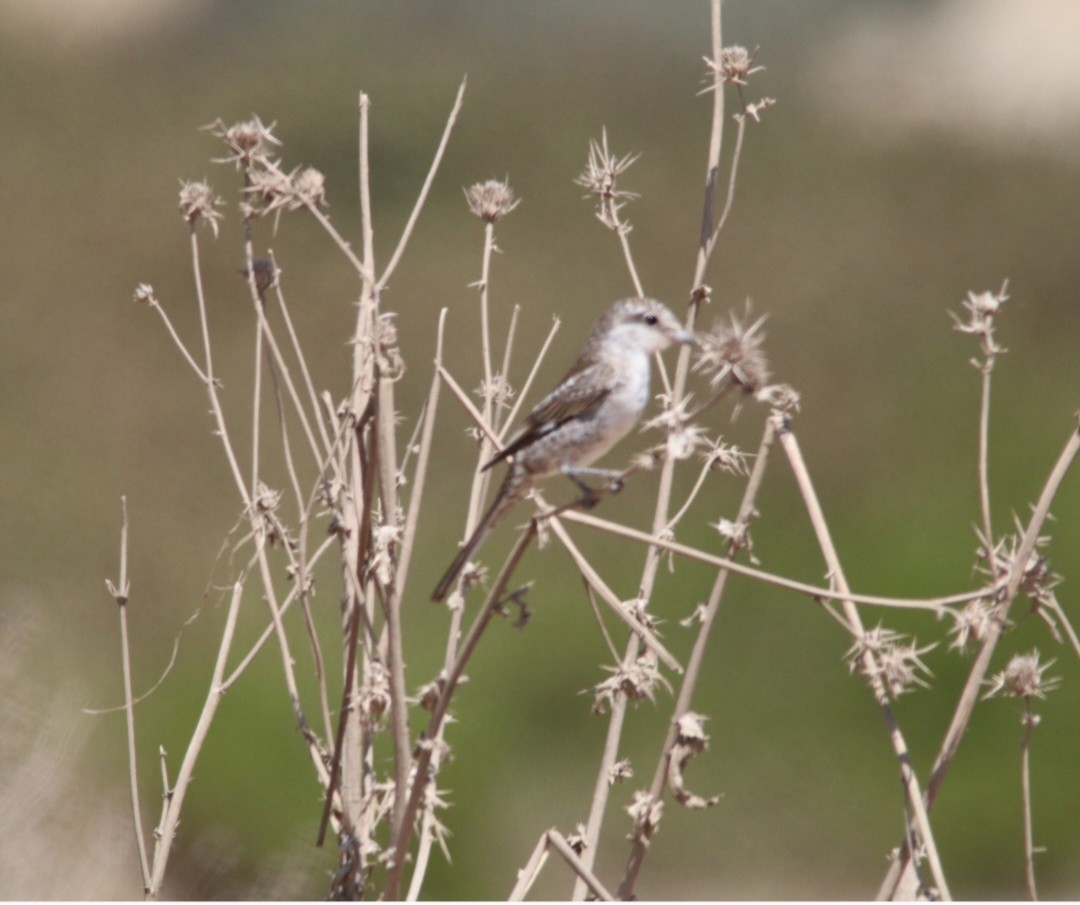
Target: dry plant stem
{"x": 910, "y": 782}
{"x": 553, "y": 839}
{"x": 899, "y": 872}
{"x": 309, "y": 384}
{"x": 593, "y": 580}
{"x": 511, "y": 331}
{"x": 177, "y": 341}
{"x": 697, "y": 656}
{"x": 175, "y": 796}
{"x": 932, "y": 604}
{"x": 984, "y": 469}
{"x": 121, "y": 592}
{"x": 1025, "y": 797}
{"x": 511, "y": 419}
{"x": 449, "y": 686}
{"x": 256, "y": 405}
{"x": 384, "y": 280}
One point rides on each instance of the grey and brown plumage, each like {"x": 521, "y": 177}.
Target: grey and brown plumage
{"x": 595, "y": 405}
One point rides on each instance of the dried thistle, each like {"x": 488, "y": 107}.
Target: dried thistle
{"x": 198, "y": 201}
{"x": 244, "y": 140}
{"x": 603, "y": 169}
{"x": 271, "y": 190}
{"x": 972, "y": 623}
{"x": 780, "y": 397}
{"x": 896, "y": 663}
{"x": 683, "y": 438}
{"x": 637, "y": 681}
{"x": 1023, "y": 678}
{"x": 491, "y": 200}
{"x": 735, "y": 66}
{"x": 732, "y": 351}
{"x": 981, "y": 310}
{"x": 374, "y": 698}
{"x": 497, "y": 393}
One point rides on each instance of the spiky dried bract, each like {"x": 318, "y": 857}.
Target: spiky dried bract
{"x": 780, "y": 397}
{"x": 601, "y": 176}
{"x": 732, "y": 350}
{"x": 491, "y": 200}
{"x": 374, "y": 698}
{"x": 1037, "y": 581}
{"x": 1023, "y": 677}
{"x": 981, "y": 309}
{"x": 725, "y": 457}
{"x": 620, "y": 771}
{"x": 690, "y": 741}
{"x": 272, "y": 190}
{"x": 603, "y": 169}
{"x": 735, "y": 66}
{"x": 198, "y": 202}
{"x": 498, "y": 392}
{"x": 637, "y": 680}
{"x": 972, "y": 623}
{"x": 683, "y": 438}
{"x": 645, "y": 811}
{"x": 245, "y": 140}
{"x": 897, "y": 663}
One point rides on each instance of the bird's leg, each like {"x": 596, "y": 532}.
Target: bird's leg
{"x": 591, "y": 496}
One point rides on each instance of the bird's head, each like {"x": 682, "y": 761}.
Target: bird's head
{"x": 638, "y": 324}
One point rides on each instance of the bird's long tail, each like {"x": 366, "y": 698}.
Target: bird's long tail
{"x": 513, "y": 488}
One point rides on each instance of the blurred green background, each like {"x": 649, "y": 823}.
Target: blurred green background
{"x": 916, "y": 151}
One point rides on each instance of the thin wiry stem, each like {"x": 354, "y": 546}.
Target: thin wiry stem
{"x": 1030, "y": 721}
{"x": 898, "y": 878}
{"x": 511, "y": 419}
{"x": 156, "y": 305}
{"x": 407, "y": 232}
{"x": 930, "y": 604}
{"x": 120, "y": 593}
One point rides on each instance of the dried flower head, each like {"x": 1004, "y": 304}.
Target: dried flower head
{"x": 272, "y": 190}
{"x": 780, "y": 397}
{"x": 144, "y": 294}
{"x": 1023, "y": 678}
{"x": 198, "y": 201}
{"x": 603, "y": 169}
{"x": 725, "y": 457}
{"x": 244, "y": 140}
{"x": 882, "y": 653}
{"x": 637, "y": 681}
{"x": 732, "y": 351}
{"x": 497, "y": 392}
{"x": 735, "y": 66}
{"x": 1002, "y": 557}
{"x": 620, "y": 771}
{"x": 645, "y": 811}
{"x": 374, "y": 698}
{"x": 491, "y": 200}
{"x": 683, "y": 438}
{"x": 981, "y": 309}
{"x": 972, "y": 623}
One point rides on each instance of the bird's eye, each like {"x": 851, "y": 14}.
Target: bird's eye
{"x": 651, "y": 320}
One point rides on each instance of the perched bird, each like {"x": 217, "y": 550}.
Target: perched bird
{"x": 593, "y": 407}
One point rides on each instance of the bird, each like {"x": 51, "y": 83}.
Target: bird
{"x": 595, "y": 405}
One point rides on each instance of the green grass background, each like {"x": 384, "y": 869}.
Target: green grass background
{"x": 855, "y": 240}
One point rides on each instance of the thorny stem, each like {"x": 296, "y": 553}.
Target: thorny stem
{"x": 697, "y": 655}
{"x": 898, "y": 875}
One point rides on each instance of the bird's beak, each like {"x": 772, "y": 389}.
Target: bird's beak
{"x": 686, "y": 338}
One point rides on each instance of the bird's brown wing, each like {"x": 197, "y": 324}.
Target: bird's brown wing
{"x": 577, "y": 395}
